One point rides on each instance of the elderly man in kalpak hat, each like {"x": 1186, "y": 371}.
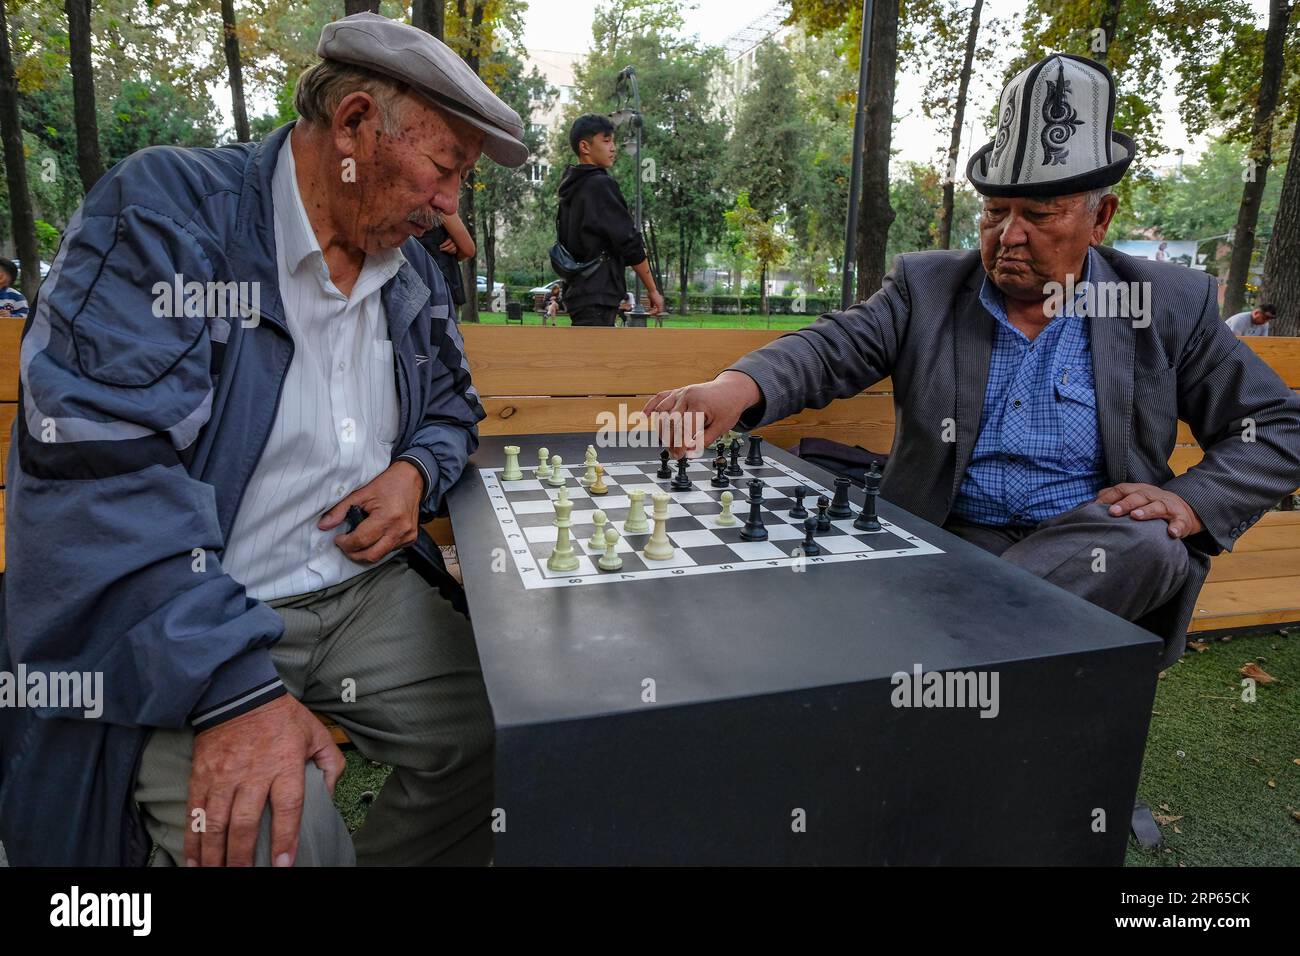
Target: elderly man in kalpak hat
{"x": 1039, "y": 381}
{"x": 218, "y": 505}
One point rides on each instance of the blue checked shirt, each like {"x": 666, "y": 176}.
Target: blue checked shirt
{"x": 1039, "y": 450}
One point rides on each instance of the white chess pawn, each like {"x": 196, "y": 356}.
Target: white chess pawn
{"x": 543, "y": 469}
{"x": 598, "y": 539}
{"x": 557, "y": 479}
{"x": 610, "y": 561}
{"x": 726, "y": 519}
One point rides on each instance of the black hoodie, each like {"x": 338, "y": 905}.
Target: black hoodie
{"x": 593, "y": 218}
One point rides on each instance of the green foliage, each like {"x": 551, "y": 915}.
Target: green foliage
{"x": 154, "y": 113}
{"x": 917, "y": 198}
{"x": 763, "y": 156}
{"x": 47, "y": 239}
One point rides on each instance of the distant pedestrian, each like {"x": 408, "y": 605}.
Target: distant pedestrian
{"x": 1254, "y": 322}
{"x": 448, "y": 244}
{"x": 593, "y": 223}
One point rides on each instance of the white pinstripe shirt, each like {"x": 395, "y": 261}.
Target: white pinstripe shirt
{"x": 337, "y": 418}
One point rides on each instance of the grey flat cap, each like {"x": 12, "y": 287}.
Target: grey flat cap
{"x": 431, "y": 69}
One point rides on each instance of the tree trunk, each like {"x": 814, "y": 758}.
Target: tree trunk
{"x": 762, "y": 290}
{"x": 876, "y": 214}
{"x": 1281, "y": 284}
{"x": 430, "y": 16}
{"x": 20, "y": 201}
{"x": 683, "y": 268}
{"x": 360, "y": 6}
{"x": 490, "y": 252}
{"x": 89, "y": 164}
{"x": 234, "y": 68}
{"x": 1109, "y": 25}
{"x": 954, "y": 142}
{"x": 469, "y": 268}
{"x": 1260, "y": 158}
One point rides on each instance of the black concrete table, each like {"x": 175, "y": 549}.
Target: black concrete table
{"x": 773, "y": 735}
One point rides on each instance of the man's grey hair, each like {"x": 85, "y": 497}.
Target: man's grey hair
{"x": 1093, "y": 199}
{"x": 321, "y": 88}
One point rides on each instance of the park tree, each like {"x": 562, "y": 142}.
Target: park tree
{"x": 760, "y": 239}
{"x": 23, "y": 223}
{"x": 235, "y": 71}
{"x": 89, "y": 164}
{"x": 1281, "y": 285}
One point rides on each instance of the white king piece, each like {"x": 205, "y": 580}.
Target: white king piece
{"x": 1054, "y": 133}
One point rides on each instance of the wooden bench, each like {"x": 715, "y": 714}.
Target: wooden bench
{"x": 541, "y": 380}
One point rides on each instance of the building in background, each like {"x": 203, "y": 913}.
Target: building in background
{"x": 557, "y": 66}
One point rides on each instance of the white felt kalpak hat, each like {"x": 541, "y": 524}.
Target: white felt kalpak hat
{"x": 1055, "y": 134}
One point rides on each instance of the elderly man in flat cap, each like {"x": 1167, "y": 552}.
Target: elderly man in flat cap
{"x": 241, "y": 395}
{"x": 1039, "y": 382}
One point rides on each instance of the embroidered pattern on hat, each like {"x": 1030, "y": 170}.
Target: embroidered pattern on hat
{"x": 1004, "y": 128}
{"x": 1059, "y": 120}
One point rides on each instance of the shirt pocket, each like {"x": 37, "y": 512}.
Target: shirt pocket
{"x": 1076, "y": 416}
{"x": 383, "y": 391}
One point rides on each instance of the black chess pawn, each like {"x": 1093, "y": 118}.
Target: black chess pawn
{"x": 682, "y": 482}
{"x": 664, "y": 471}
{"x": 799, "y": 511}
{"x": 734, "y": 469}
{"x": 866, "y": 519}
{"x": 810, "y": 547}
{"x": 754, "y": 529}
{"x": 840, "y": 507}
{"x": 720, "y": 479}
{"x": 721, "y": 449}
{"x": 823, "y": 519}
{"x": 755, "y": 456}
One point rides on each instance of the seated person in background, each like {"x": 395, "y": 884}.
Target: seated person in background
{"x": 593, "y": 221}
{"x": 551, "y": 307}
{"x": 13, "y": 304}
{"x": 1035, "y": 424}
{"x": 1254, "y": 322}
{"x": 219, "y": 508}
{"x": 449, "y": 243}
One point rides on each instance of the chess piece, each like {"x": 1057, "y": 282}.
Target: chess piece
{"x": 543, "y": 466}
{"x": 823, "y": 519}
{"x": 840, "y": 507}
{"x": 720, "y": 449}
{"x": 659, "y": 548}
{"x": 563, "y": 558}
{"x": 511, "y": 472}
{"x": 609, "y": 561}
{"x": 635, "y": 523}
{"x": 726, "y": 519}
{"x": 753, "y": 529}
{"x": 755, "y": 456}
{"x": 598, "y": 487}
{"x": 590, "y": 476}
{"x": 866, "y": 519}
{"x": 682, "y": 481}
{"x": 799, "y": 511}
{"x": 598, "y": 539}
{"x": 557, "y": 479}
{"x": 664, "y": 471}
{"x": 734, "y": 469}
{"x": 810, "y": 547}
{"x": 720, "y": 479}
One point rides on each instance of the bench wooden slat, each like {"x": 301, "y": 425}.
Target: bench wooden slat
{"x": 11, "y": 331}
{"x": 1247, "y": 603}
{"x": 1258, "y": 565}
{"x": 1282, "y": 353}
{"x": 7, "y": 412}
{"x": 533, "y": 360}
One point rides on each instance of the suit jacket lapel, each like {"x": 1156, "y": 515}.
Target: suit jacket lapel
{"x": 1112, "y": 340}
{"x": 974, "y": 347}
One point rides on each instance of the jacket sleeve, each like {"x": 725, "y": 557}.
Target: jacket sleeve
{"x": 610, "y": 215}
{"x": 837, "y": 356}
{"x": 114, "y": 549}
{"x": 448, "y": 433}
{"x": 1247, "y": 421}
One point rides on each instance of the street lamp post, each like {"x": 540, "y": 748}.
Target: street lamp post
{"x": 626, "y": 87}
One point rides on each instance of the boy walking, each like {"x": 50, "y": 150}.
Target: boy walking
{"x": 594, "y": 222}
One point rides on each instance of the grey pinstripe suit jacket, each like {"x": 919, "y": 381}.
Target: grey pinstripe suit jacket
{"x": 927, "y": 329}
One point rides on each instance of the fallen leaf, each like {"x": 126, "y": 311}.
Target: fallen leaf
{"x": 1164, "y": 820}
{"x": 1226, "y": 638}
{"x": 1272, "y": 784}
{"x": 1177, "y": 828}
{"x": 1254, "y": 671}
{"x": 1199, "y": 647}
{"x": 1296, "y": 761}
{"x": 1164, "y": 806}
{"x": 1295, "y": 815}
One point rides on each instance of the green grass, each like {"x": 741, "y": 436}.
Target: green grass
{"x": 701, "y": 321}
{"x": 1210, "y": 757}
{"x": 1219, "y": 785}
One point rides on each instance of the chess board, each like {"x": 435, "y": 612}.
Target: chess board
{"x": 526, "y": 516}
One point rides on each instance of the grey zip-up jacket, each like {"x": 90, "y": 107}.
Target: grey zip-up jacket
{"x": 133, "y": 444}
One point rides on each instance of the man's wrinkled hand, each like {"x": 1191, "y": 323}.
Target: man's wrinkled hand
{"x": 692, "y": 417}
{"x": 393, "y": 502}
{"x": 241, "y": 764}
{"x": 1144, "y": 502}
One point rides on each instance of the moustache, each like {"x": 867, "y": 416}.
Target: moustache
{"x": 425, "y": 218}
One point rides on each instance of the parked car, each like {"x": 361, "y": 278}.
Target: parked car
{"x": 544, "y": 290}
{"x": 482, "y": 285}
{"x": 45, "y": 267}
